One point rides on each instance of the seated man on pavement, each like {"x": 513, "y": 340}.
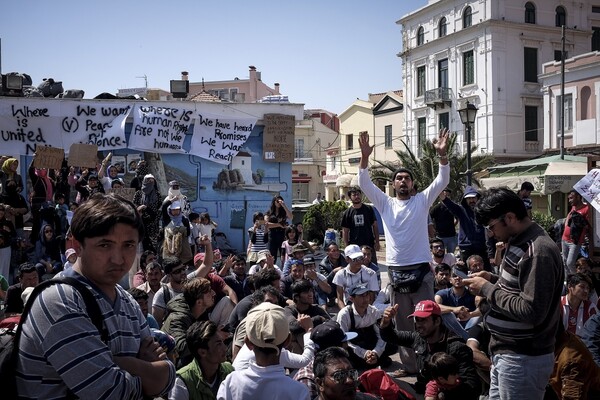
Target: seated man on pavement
{"x": 353, "y": 274}
{"x": 366, "y": 350}
{"x": 431, "y": 336}
{"x": 201, "y": 378}
{"x": 303, "y": 314}
{"x": 28, "y": 277}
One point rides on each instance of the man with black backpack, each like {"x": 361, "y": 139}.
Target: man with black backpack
{"x": 62, "y": 352}
{"x": 576, "y": 228}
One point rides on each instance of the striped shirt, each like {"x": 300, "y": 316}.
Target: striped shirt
{"x": 60, "y": 347}
{"x": 526, "y": 298}
{"x": 260, "y": 243}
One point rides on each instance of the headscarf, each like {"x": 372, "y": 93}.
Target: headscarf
{"x": 43, "y": 175}
{"x": 142, "y": 170}
{"x": 108, "y": 171}
{"x": 176, "y": 219}
{"x": 6, "y": 168}
{"x": 149, "y": 190}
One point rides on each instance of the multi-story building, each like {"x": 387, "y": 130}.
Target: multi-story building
{"x": 490, "y": 53}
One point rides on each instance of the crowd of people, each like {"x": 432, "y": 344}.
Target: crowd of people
{"x": 499, "y": 310}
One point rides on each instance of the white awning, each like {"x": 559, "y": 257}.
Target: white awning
{"x": 561, "y": 176}
{"x": 347, "y": 180}
{"x": 512, "y": 182}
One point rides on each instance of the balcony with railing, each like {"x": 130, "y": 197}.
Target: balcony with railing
{"x": 438, "y": 97}
{"x": 301, "y": 155}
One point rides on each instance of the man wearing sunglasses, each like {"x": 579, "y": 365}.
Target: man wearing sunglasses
{"x": 525, "y": 298}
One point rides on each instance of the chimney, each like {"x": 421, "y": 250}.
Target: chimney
{"x": 184, "y": 75}
{"x": 277, "y": 88}
{"x": 253, "y": 84}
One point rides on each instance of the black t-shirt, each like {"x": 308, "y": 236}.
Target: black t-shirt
{"x": 360, "y": 222}
{"x": 443, "y": 221}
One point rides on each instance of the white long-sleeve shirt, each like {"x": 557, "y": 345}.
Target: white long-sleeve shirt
{"x": 405, "y": 221}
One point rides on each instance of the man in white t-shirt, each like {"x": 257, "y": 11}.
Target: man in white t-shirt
{"x": 353, "y": 274}
{"x": 439, "y": 255}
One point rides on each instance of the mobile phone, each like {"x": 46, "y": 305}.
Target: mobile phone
{"x": 460, "y": 274}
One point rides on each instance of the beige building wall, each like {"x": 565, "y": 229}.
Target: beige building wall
{"x": 356, "y": 118}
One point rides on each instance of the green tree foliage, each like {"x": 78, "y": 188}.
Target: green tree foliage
{"x": 544, "y": 220}
{"x": 425, "y": 168}
{"x": 321, "y": 217}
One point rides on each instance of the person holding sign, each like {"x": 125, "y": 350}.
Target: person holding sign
{"x": 42, "y": 191}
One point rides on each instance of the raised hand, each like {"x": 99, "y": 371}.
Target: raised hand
{"x": 441, "y": 142}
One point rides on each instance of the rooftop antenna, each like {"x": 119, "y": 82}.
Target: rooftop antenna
{"x": 145, "y": 78}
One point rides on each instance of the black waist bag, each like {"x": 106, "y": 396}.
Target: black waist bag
{"x": 407, "y": 280}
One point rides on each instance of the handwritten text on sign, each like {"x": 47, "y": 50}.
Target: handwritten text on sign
{"x": 160, "y": 129}
{"x": 278, "y": 138}
{"x": 219, "y": 139}
{"x": 589, "y": 188}
{"x": 101, "y": 124}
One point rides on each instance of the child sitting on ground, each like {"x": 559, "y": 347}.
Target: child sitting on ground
{"x": 443, "y": 368}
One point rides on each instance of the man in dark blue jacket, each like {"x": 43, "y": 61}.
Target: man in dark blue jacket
{"x": 471, "y": 235}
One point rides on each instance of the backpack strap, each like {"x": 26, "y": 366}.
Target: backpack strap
{"x": 352, "y": 320}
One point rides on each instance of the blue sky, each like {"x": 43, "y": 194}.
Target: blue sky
{"x": 323, "y": 53}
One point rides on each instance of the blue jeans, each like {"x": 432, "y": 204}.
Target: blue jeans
{"x": 518, "y": 376}
{"x": 450, "y": 243}
{"x": 570, "y": 252}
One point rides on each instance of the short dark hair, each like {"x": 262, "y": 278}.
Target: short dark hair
{"x": 144, "y": 257}
{"x": 324, "y": 357}
{"x": 153, "y": 265}
{"x": 354, "y": 189}
{"x": 257, "y": 215}
{"x": 98, "y": 215}
{"x": 442, "y": 267}
{"x": 497, "y": 202}
{"x": 26, "y": 268}
{"x": 576, "y": 279}
{"x": 435, "y": 240}
{"x": 138, "y": 294}
{"x": 194, "y": 289}
{"x": 527, "y": 186}
{"x": 169, "y": 263}
{"x": 198, "y": 335}
{"x": 265, "y": 277}
{"x": 301, "y": 286}
{"x": 442, "y": 365}
{"x": 396, "y": 172}
{"x": 258, "y": 296}
{"x": 193, "y": 216}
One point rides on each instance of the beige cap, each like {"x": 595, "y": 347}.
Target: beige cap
{"x": 267, "y": 326}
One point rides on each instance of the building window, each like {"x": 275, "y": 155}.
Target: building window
{"x": 568, "y": 112}
{"x": 530, "y": 64}
{"x": 420, "y": 36}
{"x": 467, "y": 17}
{"x": 529, "y": 13}
{"x": 444, "y": 120}
{"x": 443, "y": 27}
{"x": 561, "y": 16}
{"x": 388, "y": 136}
{"x": 595, "y": 38}
{"x": 468, "y": 68}
{"x": 349, "y": 142}
{"x": 586, "y": 94}
{"x": 531, "y": 124}
{"x": 421, "y": 81}
{"x": 421, "y": 134}
{"x": 443, "y": 73}
{"x": 596, "y": 9}
{"x": 300, "y": 191}
{"x": 558, "y": 55}
{"x": 299, "y": 144}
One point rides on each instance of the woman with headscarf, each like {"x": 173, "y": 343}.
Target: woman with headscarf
{"x": 8, "y": 172}
{"x": 148, "y": 203}
{"x": 107, "y": 175}
{"x": 140, "y": 172}
{"x": 47, "y": 255}
{"x": 176, "y": 232}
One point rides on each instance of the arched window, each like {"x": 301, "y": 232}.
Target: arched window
{"x": 467, "y": 17}
{"x": 586, "y": 107}
{"x": 529, "y": 13}
{"x": 561, "y": 16}
{"x": 420, "y": 36}
{"x": 442, "y": 27}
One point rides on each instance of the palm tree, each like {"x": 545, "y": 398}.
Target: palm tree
{"x": 425, "y": 169}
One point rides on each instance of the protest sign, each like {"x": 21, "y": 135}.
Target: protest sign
{"x": 48, "y": 157}
{"x": 589, "y": 188}
{"x": 160, "y": 129}
{"x": 83, "y": 155}
{"x": 219, "y": 138}
{"x": 278, "y": 138}
{"x": 25, "y": 125}
{"x": 126, "y": 193}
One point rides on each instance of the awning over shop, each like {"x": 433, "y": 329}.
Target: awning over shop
{"x": 548, "y": 174}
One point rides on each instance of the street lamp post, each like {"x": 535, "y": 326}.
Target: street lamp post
{"x": 467, "y": 117}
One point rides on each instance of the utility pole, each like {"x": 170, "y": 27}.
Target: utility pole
{"x": 562, "y": 96}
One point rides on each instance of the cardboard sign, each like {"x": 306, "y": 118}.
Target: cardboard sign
{"x": 126, "y": 193}
{"x": 278, "y": 138}
{"x": 48, "y": 157}
{"x": 83, "y": 155}
{"x": 589, "y": 188}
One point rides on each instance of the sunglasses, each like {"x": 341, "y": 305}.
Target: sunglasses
{"x": 361, "y": 258}
{"x": 343, "y": 375}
